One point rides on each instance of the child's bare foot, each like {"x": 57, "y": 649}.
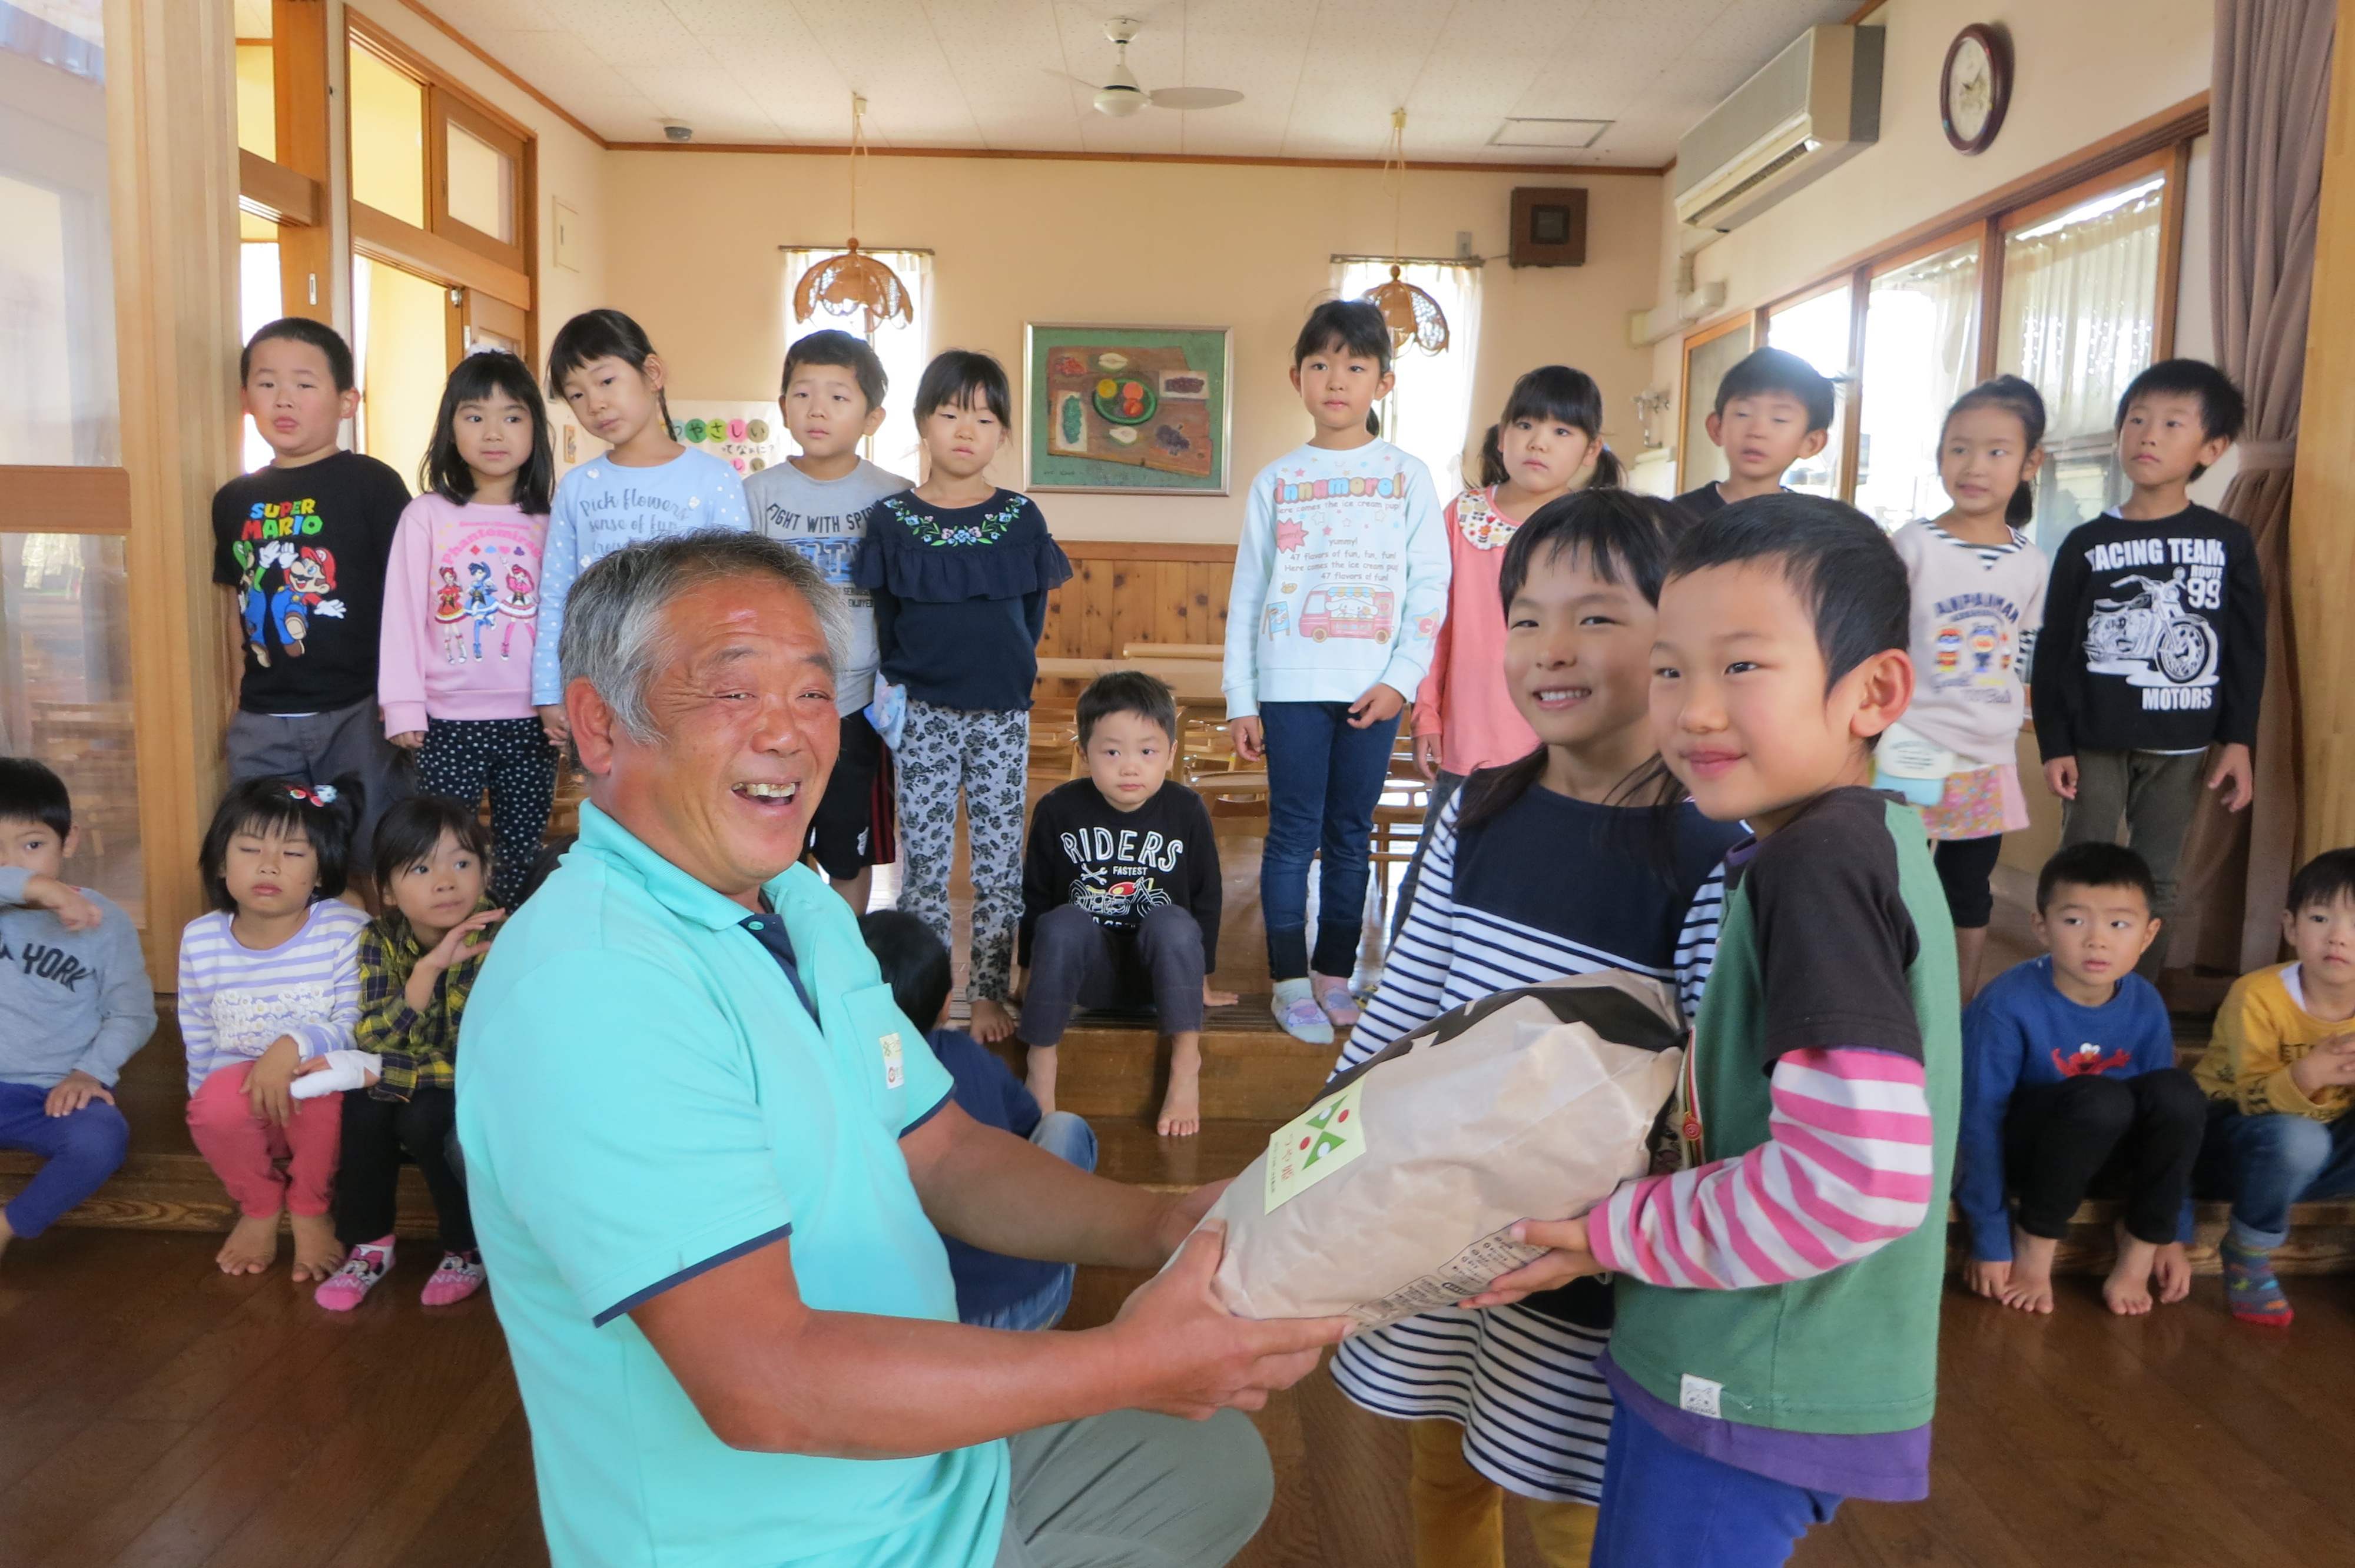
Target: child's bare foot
{"x": 2030, "y": 1289}
{"x": 317, "y": 1253}
{"x": 991, "y": 1022}
{"x": 1218, "y": 998}
{"x": 2173, "y": 1269}
{"x": 252, "y": 1245}
{"x": 1181, "y": 1107}
{"x": 2126, "y": 1291}
{"x": 1039, "y": 1076}
{"x": 1987, "y": 1280}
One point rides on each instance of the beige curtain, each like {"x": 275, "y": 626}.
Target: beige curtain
{"x": 2267, "y": 110}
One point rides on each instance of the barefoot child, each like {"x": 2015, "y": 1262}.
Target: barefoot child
{"x": 2280, "y": 1077}
{"x": 2072, "y": 1087}
{"x": 268, "y": 979}
{"x": 1776, "y": 1347}
{"x": 960, "y": 571}
{"x": 1340, "y": 581}
{"x": 817, "y": 501}
{"x": 418, "y": 962}
{"x": 75, "y": 1004}
{"x": 1582, "y": 854}
{"x": 1121, "y": 893}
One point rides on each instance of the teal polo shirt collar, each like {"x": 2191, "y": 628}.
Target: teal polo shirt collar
{"x": 673, "y": 889}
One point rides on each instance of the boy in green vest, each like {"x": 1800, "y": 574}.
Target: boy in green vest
{"x": 1777, "y": 1346}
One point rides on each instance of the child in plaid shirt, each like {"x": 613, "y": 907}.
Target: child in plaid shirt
{"x": 418, "y": 962}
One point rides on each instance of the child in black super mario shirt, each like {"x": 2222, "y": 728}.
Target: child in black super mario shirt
{"x": 1121, "y": 891}
{"x": 2154, "y": 641}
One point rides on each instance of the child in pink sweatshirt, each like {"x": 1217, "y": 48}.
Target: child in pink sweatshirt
{"x": 1549, "y": 440}
{"x": 461, "y": 608}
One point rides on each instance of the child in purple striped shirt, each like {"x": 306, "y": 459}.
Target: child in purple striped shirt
{"x": 269, "y": 981}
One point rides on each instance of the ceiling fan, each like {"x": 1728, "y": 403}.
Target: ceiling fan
{"x": 1119, "y": 95}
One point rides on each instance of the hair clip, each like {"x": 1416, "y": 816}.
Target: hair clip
{"x": 321, "y": 795}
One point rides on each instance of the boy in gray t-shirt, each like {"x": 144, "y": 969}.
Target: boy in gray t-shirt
{"x": 75, "y": 1003}
{"x": 817, "y": 502}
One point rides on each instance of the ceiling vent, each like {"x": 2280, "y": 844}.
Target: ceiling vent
{"x": 1812, "y": 108}
{"x": 1569, "y": 133}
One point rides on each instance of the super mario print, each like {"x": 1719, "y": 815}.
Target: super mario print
{"x": 305, "y": 586}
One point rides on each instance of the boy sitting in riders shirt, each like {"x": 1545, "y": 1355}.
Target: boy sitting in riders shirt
{"x": 2154, "y": 641}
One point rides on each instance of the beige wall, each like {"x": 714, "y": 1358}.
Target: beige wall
{"x": 690, "y": 249}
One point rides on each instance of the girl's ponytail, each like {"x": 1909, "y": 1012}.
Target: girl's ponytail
{"x": 2020, "y": 399}
{"x": 1492, "y": 460}
{"x": 1609, "y": 473}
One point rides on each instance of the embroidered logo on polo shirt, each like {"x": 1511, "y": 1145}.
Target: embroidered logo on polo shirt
{"x": 895, "y": 1069}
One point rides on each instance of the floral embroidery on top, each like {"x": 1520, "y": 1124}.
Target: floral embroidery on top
{"x": 1483, "y": 527}
{"x": 931, "y": 530}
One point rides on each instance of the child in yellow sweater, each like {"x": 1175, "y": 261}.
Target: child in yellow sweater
{"x": 2280, "y": 1076}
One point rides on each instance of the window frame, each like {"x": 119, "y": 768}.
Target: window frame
{"x": 1738, "y": 322}
{"x": 2159, "y": 145}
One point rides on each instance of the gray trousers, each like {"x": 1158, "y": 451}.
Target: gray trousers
{"x": 1135, "y": 1490}
{"x": 1076, "y": 963}
{"x": 2151, "y": 794}
{"x": 319, "y": 749}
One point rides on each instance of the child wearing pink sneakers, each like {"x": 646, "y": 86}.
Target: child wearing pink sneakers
{"x": 269, "y": 981}
{"x": 418, "y": 961}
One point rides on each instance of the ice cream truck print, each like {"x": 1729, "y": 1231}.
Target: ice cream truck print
{"x": 1353, "y": 609}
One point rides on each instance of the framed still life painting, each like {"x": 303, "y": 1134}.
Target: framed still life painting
{"x": 1141, "y": 410}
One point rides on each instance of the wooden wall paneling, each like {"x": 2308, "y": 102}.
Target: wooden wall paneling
{"x": 298, "y": 55}
{"x": 171, "y": 105}
{"x": 2322, "y": 505}
{"x": 1124, "y": 591}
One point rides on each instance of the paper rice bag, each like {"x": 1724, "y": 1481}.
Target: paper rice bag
{"x": 1392, "y": 1194}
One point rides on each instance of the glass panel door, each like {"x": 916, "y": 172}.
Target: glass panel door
{"x": 388, "y": 137}
{"x": 1699, "y": 460}
{"x": 1921, "y": 352}
{"x": 1817, "y": 330}
{"x": 401, "y": 346}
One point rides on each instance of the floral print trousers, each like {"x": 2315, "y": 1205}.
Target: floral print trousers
{"x": 986, "y": 755}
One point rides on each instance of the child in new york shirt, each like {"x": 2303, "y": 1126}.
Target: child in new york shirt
{"x": 602, "y": 505}
{"x": 1340, "y": 579}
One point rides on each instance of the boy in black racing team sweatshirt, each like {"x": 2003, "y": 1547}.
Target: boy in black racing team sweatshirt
{"x": 2154, "y": 641}
{"x": 1121, "y": 891}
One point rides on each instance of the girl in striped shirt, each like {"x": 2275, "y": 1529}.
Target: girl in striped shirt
{"x": 269, "y": 982}
{"x": 1581, "y": 856}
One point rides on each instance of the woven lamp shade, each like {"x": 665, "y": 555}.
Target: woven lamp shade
{"x": 1413, "y": 317}
{"x": 853, "y": 284}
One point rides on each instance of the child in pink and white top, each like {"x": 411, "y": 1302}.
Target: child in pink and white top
{"x": 1548, "y": 443}
{"x": 462, "y": 610}
{"x": 270, "y": 983}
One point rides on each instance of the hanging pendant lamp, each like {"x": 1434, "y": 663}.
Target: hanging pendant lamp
{"x": 1413, "y": 317}
{"x": 853, "y": 284}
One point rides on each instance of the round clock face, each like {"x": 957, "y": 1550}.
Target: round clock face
{"x": 1970, "y": 89}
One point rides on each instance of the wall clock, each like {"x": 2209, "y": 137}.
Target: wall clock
{"x": 1975, "y": 88}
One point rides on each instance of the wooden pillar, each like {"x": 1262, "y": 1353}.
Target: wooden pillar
{"x": 299, "y": 67}
{"x": 2322, "y": 507}
{"x": 171, "y": 105}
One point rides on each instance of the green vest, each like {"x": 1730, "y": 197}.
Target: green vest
{"x": 1856, "y": 1350}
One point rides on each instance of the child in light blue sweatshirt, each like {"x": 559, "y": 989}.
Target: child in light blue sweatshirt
{"x": 1340, "y": 583}
{"x": 647, "y": 486}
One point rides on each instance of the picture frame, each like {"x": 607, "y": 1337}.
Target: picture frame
{"x": 1165, "y": 429}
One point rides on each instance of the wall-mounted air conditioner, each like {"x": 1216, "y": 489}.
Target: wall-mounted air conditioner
{"x": 1813, "y": 106}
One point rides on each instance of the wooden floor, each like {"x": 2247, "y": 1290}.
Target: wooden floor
{"x": 156, "y": 1414}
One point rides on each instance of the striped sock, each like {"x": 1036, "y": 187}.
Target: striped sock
{"x": 2251, "y": 1290}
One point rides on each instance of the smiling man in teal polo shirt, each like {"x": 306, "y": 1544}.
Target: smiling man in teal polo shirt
{"x": 710, "y": 1162}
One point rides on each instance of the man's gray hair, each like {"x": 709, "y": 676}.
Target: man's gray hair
{"x": 614, "y": 631}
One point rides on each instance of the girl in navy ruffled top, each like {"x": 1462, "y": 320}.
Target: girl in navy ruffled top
{"x": 960, "y": 571}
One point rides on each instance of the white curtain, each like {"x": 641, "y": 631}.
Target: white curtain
{"x": 1429, "y": 410}
{"x": 904, "y": 350}
{"x": 2080, "y": 315}
{"x": 1921, "y": 352}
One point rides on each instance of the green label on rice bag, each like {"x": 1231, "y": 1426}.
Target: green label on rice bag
{"x": 1312, "y": 1146}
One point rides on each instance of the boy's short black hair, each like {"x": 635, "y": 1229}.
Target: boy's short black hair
{"x": 412, "y": 830}
{"x": 1836, "y": 560}
{"x": 846, "y": 350}
{"x": 957, "y": 377}
{"x": 29, "y": 792}
{"x": 1355, "y": 328}
{"x": 271, "y": 806}
{"x": 1127, "y": 692}
{"x": 914, "y": 961}
{"x": 1779, "y": 370}
{"x": 2324, "y": 880}
{"x": 1620, "y": 536}
{"x": 301, "y": 329}
{"x": 2095, "y": 864}
{"x": 2222, "y": 409}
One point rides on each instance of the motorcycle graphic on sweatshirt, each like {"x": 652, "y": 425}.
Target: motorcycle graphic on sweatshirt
{"x": 2149, "y": 637}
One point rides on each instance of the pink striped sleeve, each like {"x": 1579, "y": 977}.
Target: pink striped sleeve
{"x": 1846, "y": 1170}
